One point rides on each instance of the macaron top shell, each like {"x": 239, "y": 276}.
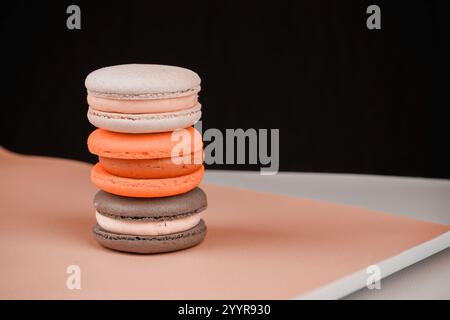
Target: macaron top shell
{"x": 144, "y": 146}
{"x": 166, "y": 208}
{"x": 142, "y": 81}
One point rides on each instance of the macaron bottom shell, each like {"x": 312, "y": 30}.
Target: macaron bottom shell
{"x": 151, "y": 244}
{"x": 144, "y": 188}
{"x": 145, "y": 123}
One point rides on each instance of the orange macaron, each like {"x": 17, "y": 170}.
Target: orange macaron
{"x": 144, "y": 188}
{"x": 147, "y": 165}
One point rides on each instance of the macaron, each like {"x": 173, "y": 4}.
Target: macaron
{"x": 150, "y": 225}
{"x": 147, "y": 165}
{"x": 144, "y": 188}
{"x": 143, "y": 98}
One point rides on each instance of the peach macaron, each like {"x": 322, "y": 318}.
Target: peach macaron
{"x": 147, "y": 165}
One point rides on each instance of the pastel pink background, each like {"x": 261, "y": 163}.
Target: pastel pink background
{"x": 259, "y": 246}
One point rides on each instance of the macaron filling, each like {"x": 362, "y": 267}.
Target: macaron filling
{"x": 139, "y": 106}
{"x": 147, "y": 227}
{"x": 153, "y": 168}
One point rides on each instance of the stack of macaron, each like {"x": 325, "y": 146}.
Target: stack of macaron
{"x": 150, "y": 157}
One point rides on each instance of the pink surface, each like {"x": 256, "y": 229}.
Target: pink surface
{"x": 258, "y": 245}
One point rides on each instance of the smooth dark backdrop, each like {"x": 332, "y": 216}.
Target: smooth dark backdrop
{"x": 346, "y": 99}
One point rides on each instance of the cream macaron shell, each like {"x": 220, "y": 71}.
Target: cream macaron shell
{"x": 142, "y": 81}
{"x": 145, "y": 123}
{"x": 144, "y": 227}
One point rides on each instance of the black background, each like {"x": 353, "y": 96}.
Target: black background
{"x": 346, "y": 99}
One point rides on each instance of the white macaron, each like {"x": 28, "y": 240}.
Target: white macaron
{"x": 143, "y": 98}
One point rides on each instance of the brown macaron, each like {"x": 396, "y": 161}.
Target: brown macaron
{"x": 150, "y": 225}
